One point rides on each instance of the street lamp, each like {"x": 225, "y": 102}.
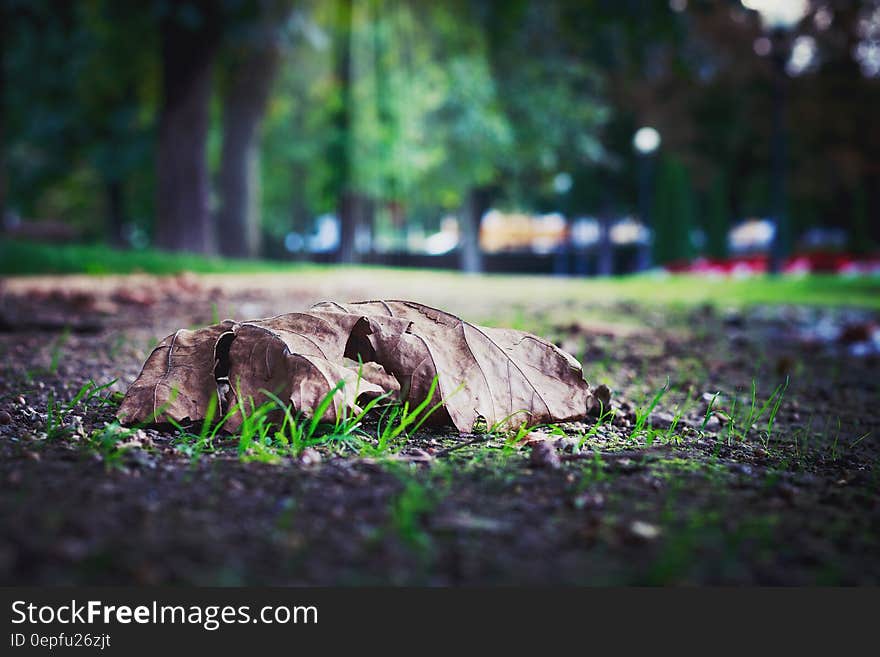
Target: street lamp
{"x": 778, "y": 18}
{"x": 646, "y": 141}
{"x": 778, "y": 14}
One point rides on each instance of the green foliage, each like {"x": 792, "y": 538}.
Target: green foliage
{"x": 415, "y": 104}
{"x": 673, "y": 218}
{"x": 80, "y": 111}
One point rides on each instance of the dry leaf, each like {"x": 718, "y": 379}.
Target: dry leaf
{"x": 498, "y": 376}
{"x": 177, "y": 381}
{"x": 297, "y": 357}
{"x": 503, "y": 376}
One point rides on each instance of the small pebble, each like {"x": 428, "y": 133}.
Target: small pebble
{"x": 544, "y": 456}
{"x": 310, "y": 456}
{"x": 588, "y": 501}
{"x": 5, "y": 417}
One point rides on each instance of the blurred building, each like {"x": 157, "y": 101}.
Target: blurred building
{"x": 517, "y": 232}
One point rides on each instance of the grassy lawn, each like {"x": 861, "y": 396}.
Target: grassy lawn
{"x": 23, "y": 258}
{"x": 19, "y": 257}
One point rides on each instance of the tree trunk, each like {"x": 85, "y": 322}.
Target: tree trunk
{"x": 300, "y": 213}
{"x": 478, "y": 202}
{"x": 115, "y": 211}
{"x": 4, "y": 35}
{"x": 183, "y": 221}
{"x": 253, "y": 70}
{"x": 605, "y": 247}
{"x": 355, "y": 212}
{"x": 341, "y": 149}
{"x": 872, "y": 208}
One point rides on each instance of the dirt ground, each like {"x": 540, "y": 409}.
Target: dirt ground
{"x": 706, "y": 491}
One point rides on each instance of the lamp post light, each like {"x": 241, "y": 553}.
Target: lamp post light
{"x": 646, "y": 141}
{"x": 778, "y": 18}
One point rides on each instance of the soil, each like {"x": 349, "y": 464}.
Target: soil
{"x": 692, "y": 498}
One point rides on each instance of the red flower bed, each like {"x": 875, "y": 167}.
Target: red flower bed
{"x": 818, "y": 262}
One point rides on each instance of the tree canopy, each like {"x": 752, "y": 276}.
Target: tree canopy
{"x": 203, "y": 126}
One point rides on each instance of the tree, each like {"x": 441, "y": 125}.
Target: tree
{"x": 190, "y": 35}
{"x": 673, "y": 213}
{"x": 717, "y": 218}
{"x": 340, "y": 148}
{"x": 4, "y": 41}
{"x": 298, "y": 181}
{"x": 475, "y": 135}
{"x": 521, "y": 108}
{"x": 43, "y": 123}
{"x": 253, "y": 57}
{"x": 118, "y": 133}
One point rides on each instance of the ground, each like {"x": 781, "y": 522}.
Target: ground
{"x": 756, "y": 465}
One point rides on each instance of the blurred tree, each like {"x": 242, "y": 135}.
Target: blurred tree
{"x": 350, "y": 203}
{"x": 717, "y": 222}
{"x": 410, "y": 111}
{"x": 5, "y": 19}
{"x": 860, "y": 240}
{"x": 190, "y": 36}
{"x": 475, "y": 137}
{"x": 296, "y": 173}
{"x": 43, "y": 43}
{"x": 250, "y": 61}
{"x": 113, "y": 97}
{"x": 673, "y": 213}
{"x": 835, "y": 136}
{"x": 522, "y": 109}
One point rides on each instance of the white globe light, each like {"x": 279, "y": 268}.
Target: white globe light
{"x": 646, "y": 140}
{"x": 778, "y": 14}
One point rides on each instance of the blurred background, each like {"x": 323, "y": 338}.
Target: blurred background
{"x": 580, "y": 138}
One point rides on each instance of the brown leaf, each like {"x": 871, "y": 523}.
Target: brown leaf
{"x": 297, "y": 357}
{"x": 375, "y": 373}
{"x": 501, "y": 376}
{"x": 177, "y": 381}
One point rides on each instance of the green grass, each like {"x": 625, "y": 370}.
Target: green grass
{"x": 271, "y": 431}
{"x": 743, "y": 420}
{"x": 686, "y": 290}
{"x": 268, "y": 432}
{"x": 22, "y": 258}
{"x": 408, "y": 511}
{"x": 89, "y": 395}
